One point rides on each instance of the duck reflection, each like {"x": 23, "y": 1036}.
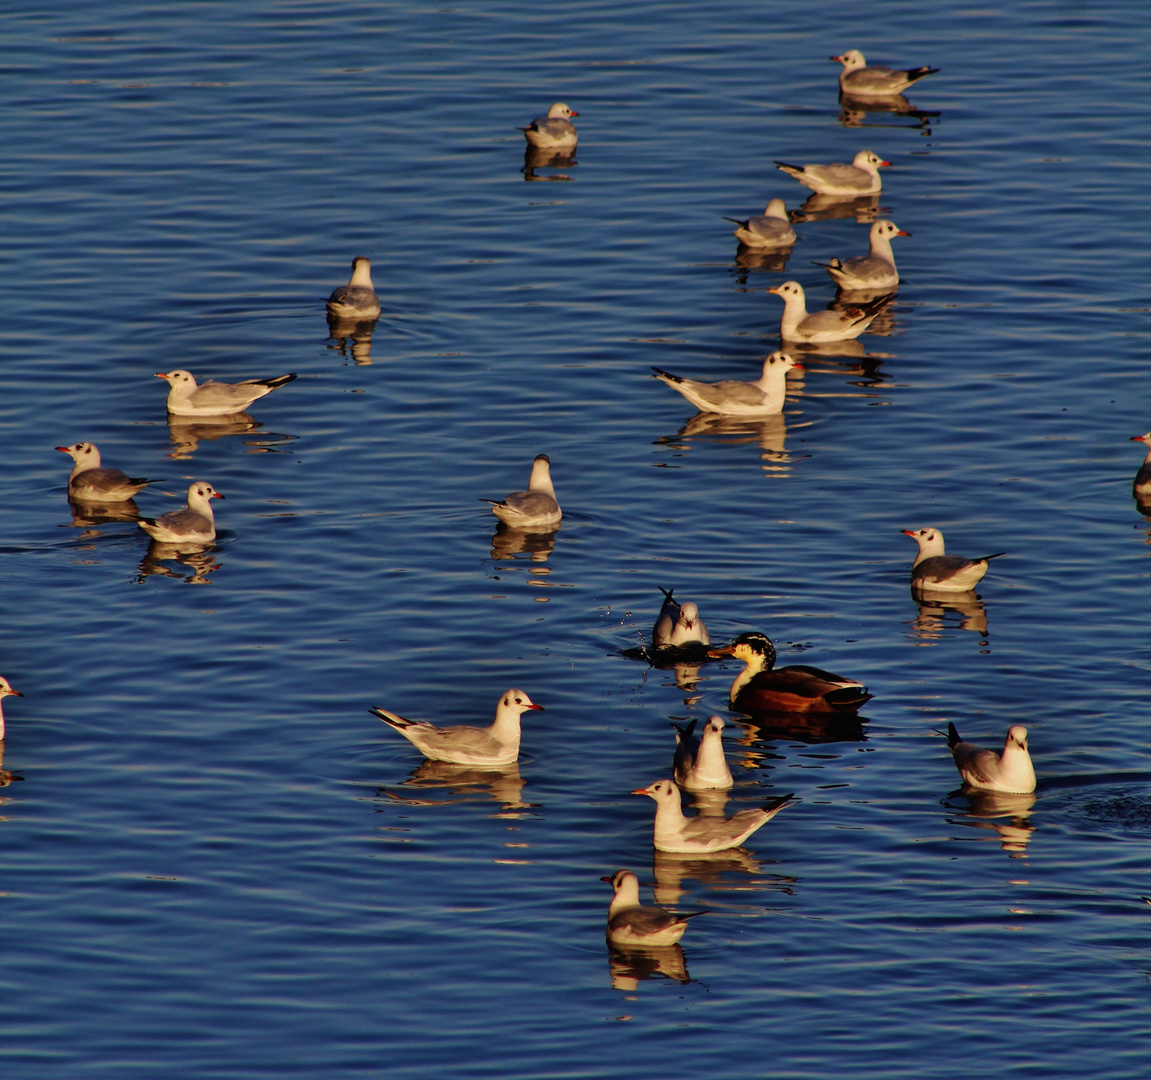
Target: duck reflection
{"x": 935, "y": 607}
{"x": 1004, "y": 813}
{"x": 768, "y": 432}
{"x": 509, "y": 542}
{"x": 853, "y": 112}
{"x": 352, "y": 337}
{"x": 462, "y": 783}
{"x": 199, "y": 558}
{"x": 536, "y": 157}
{"x": 811, "y": 729}
{"x": 864, "y": 209}
{"x": 634, "y": 964}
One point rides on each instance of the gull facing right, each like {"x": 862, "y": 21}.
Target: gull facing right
{"x": 819, "y": 327}
{"x": 357, "y": 299}
{"x": 495, "y": 745}
{"x": 678, "y": 625}
{"x": 629, "y": 923}
{"x": 731, "y": 397}
{"x": 874, "y": 271}
{"x": 985, "y": 769}
{"x": 535, "y": 508}
{"x": 932, "y": 569}
{"x": 1142, "y": 485}
{"x": 186, "y": 398}
{"x": 771, "y": 229}
{"x": 6, "y": 690}
{"x": 699, "y": 835}
{"x": 89, "y": 482}
{"x": 554, "y": 131}
{"x": 860, "y": 81}
{"x": 861, "y": 177}
{"x": 700, "y": 764}
{"x": 195, "y": 524}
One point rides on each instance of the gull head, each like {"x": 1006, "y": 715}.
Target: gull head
{"x": 663, "y": 791}
{"x": 1016, "y": 737}
{"x": 6, "y": 689}
{"x": 791, "y": 291}
{"x": 868, "y": 161}
{"x": 850, "y": 60}
{"x": 518, "y": 702}
{"x": 560, "y": 111}
{"x": 887, "y": 229}
{"x": 179, "y": 377}
{"x": 688, "y": 613}
{"x": 83, "y": 452}
{"x": 929, "y": 539}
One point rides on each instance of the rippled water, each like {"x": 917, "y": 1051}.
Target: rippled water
{"x": 219, "y": 864}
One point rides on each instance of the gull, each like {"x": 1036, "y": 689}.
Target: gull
{"x": 5, "y": 691}
{"x": 554, "y": 131}
{"x": 858, "y": 80}
{"x": 771, "y": 229}
{"x": 872, "y": 272}
{"x": 861, "y": 177}
{"x": 628, "y": 923}
{"x": 498, "y": 744}
{"x": 697, "y": 835}
{"x": 932, "y": 569}
{"x": 194, "y": 524}
{"x": 700, "y": 764}
{"x": 797, "y": 324}
{"x": 678, "y": 625}
{"x": 988, "y": 771}
{"x": 535, "y": 508}
{"x": 357, "y": 299}
{"x": 1142, "y": 484}
{"x": 730, "y": 397}
{"x": 91, "y": 483}
{"x": 185, "y": 398}
{"x": 761, "y": 687}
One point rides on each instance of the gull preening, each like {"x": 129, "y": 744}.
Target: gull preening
{"x": 698, "y": 835}
{"x": 762, "y": 687}
{"x": 861, "y": 177}
{"x": 89, "y": 482}
{"x": 6, "y": 690}
{"x": 731, "y": 397}
{"x": 1141, "y": 488}
{"x": 932, "y": 569}
{"x": 629, "y": 923}
{"x": 771, "y": 229}
{"x": 860, "y": 81}
{"x": 357, "y": 299}
{"x": 987, "y": 770}
{"x": 700, "y": 763}
{"x": 535, "y": 508}
{"x": 554, "y": 131}
{"x": 195, "y": 524}
{"x": 187, "y": 398}
{"x": 797, "y": 324}
{"x": 874, "y": 271}
{"x": 495, "y": 745}
{"x": 678, "y": 625}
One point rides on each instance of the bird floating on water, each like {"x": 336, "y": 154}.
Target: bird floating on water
{"x": 819, "y": 327}
{"x": 357, "y": 299}
{"x": 90, "y": 482}
{"x": 987, "y": 770}
{"x": 932, "y": 569}
{"x": 187, "y": 398}
{"x": 554, "y": 131}
{"x": 771, "y": 229}
{"x": 6, "y": 690}
{"x": 678, "y": 625}
{"x": 1141, "y": 488}
{"x": 731, "y": 397}
{"x": 629, "y": 923}
{"x": 873, "y": 272}
{"x": 861, "y": 177}
{"x": 699, "y": 835}
{"x": 535, "y": 508}
{"x": 860, "y": 81}
{"x": 700, "y": 764}
{"x": 195, "y": 524}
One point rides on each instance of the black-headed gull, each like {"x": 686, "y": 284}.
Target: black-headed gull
{"x": 195, "y": 524}
{"x": 990, "y": 771}
{"x": 797, "y": 324}
{"x": 1141, "y": 488}
{"x": 357, "y": 299}
{"x": 554, "y": 131}
{"x": 700, "y": 764}
{"x": 730, "y": 397}
{"x": 678, "y": 625}
{"x": 860, "y": 81}
{"x": 6, "y": 690}
{"x": 762, "y": 687}
{"x": 861, "y": 177}
{"x": 771, "y": 229}
{"x": 629, "y": 923}
{"x": 873, "y": 272}
{"x": 496, "y": 745}
{"x": 697, "y": 835}
{"x": 932, "y": 569}
{"x": 535, "y": 508}
{"x": 187, "y": 398}
{"x": 89, "y": 482}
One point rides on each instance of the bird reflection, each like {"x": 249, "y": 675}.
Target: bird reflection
{"x": 537, "y": 157}
{"x": 672, "y": 870}
{"x": 463, "y": 783}
{"x": 1004, "y": 813}
{"x": 935, "y": 606}
{"x": 199, "y": 558}
{"x": 186, "y": 433}
{"x": 808, "y": 728}
{"x": 6, "y": 777}
{"x": 854, "y": 112}
{"x": 864, "y": 209}
{"x": 509, "y": 541}
{"x": 710, "y": 802}
{"x": 88, "y": 515}
{"x": 769, "y": 432}
{"x": 629, "y": 966}
{"x": 771, "y": 260}
{"x": 352, "y": 337}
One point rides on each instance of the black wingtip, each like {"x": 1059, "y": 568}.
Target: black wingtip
{"x": 775, "y": 804}
{"x": 788, "y": 165}
{"x": 667, "y": 593}
{"x": 661, "y": 374}
{"x": 987, "y": 558}
{"x": 953, "y": 738}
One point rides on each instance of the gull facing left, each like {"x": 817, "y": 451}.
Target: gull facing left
{"x": 495, "y": 745}
{"x": 629, "y": 923}
{"x": 195, "y": 524}
{"x": 985, "y": 769}
{"x": 819, "y": 327}
{"x": 535, "y": 508}
{"x": 357, "y": 299}
{"x": 6, "y": 690}
{"x": 860, "y": 81}
{"x": 932, "y": 569}
{"x": 698, "y": 835}
{"x": 871, "y": 272}
{"x": 89, "y": 482}
{"x": 187, "y": 398}
{"x": 731, "y": 397}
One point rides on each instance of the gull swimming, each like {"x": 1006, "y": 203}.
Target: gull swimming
{"x": 799, "y": 325}
{"x": 700, "y": 764}
{"x": 90, "y": 482}
{"x": 535, "y": 508}
{"x": 771, "y": 229}
{"x": 1142, "y": 485}
{"x": 988, "y": 771}
{"x": 762, "y": 687}
{"x": 5, "y": 691}
{"x": 357, "y": 299}
{"x": 861, "y": 177}
{"x": 554, "y": 131}
{"x": 194, "y": 524}
{"x": 697, "y": 835}
{"x": 498, "y": 744}
{"x": 186, "y": 398}
{"x": 731, "y": 397}
{"x": 858, "y": 80}
{"x": 629, "y": 923}
{"x": 678, "y": 625}
{"x": 932, "y": 569}
{"x": 872, "y": 272}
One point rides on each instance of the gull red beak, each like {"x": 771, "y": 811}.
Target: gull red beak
{"x": 641, "y": 791}
{"x": 839, "y": 58}
{"x": 903, "y": 232}
{"x": 1134, "y": 438}
{"x": 882, "y": 164}
{"x": 574, "y": 113}
{"x": 773, "y": 289}
{"x": 608, "y": 877}
{"x": 64, "y": 449}
{"x": 537, "y": 708}
{"x": 216, "y": 495}
{"x": 908, "y": 532}
{"x": 161, "y": 374}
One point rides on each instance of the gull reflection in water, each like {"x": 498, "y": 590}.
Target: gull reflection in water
{"x": 629, "y": 966}
{"x": 854, "y": 112}
{"x": 509, "y": 542}
{"x": 186, "y": 433}
{"x": 352, "y": 337}
{"x": 199, "y": 558}
{"x": 935, "y": 607}
{"x": 768, "y": 432}
{"x": 672, "y": 869}
{"x": 89, "y": 515}
{"x": 537, "y": 157}
{"x": 462, "y": 783}
{"x": 1004, "y": 813}
{"x": 773, "y": 260}
{"x": 6, "y": 777}
{"x": 864, "y": 209}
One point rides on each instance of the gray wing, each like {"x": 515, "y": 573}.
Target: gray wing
{"x": 832, "y": 320}
{"x": 771, "y": 229}
{"x": 841, "y": 175}
{"x": 354, "y": 296}
{"x": 866, "y": 266}
{"x": 556, "y": 126}
{"x": 645, "y": 921}
{"x": 943, "y": 568}
{"x": 459, "y": 738}
{"x": 184, "y": 522}
{"x": 732, "y": 390}
{"x": 531, "y": 503}
{"x": 236, "y": 395}
{"x": 975, "y": 761}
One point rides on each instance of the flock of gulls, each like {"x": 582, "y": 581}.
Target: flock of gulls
{"x": 866, "y": 284}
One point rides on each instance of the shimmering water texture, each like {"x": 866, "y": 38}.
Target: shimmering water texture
{"x": 216, "y": 861}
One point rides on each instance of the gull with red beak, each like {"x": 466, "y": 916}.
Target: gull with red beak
{"x": 699, "y": 835}
{"x": 860, "y": 81}
{"x": 986, "y": 770}
{"x": 629, "y": 923}
{"x": 861, "y": 177}
{"x": 799, "y": 326}
{"x": 90, "y": 482}
{"x": 1141, "y": 488}
{"x": 872, "y": 272}
{"x": 932, "y": 569}
{"x": 700, "y": 764}
{"x": 678, "y": 625}
{"x": 554, "y": 131}
{"x": 731, "y": 397}
{"x": 195, "y": 524}
{"x": 188, "y": 398}
{"x": 6, "y": 690}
